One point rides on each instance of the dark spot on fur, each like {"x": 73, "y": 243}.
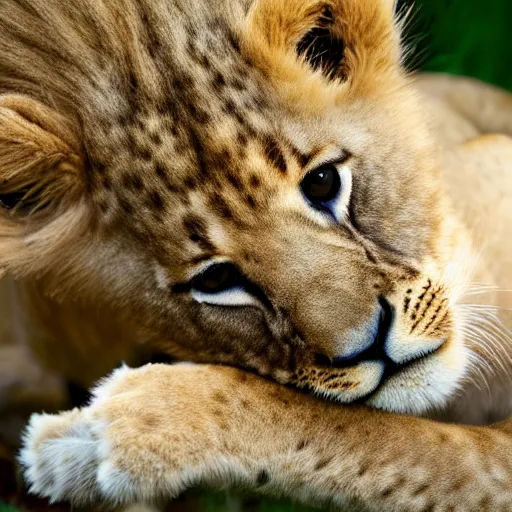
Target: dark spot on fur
{"x": 302, "y": 445}
{"x": 219, "y": 413}
{"x": 224, "y": 425}
{"x": 443, "y": 438}
{"x": 156, "y": 200}
{"x": 199, "y": 115}
{"x": 263, "y": 478}
{"x": 242, "y": 376}
{"x": 300, "y": 157}
{"x": 99, "y": 166}
{"x": 233, "y": 41}
{"x": 485, "y": 502}
{"x": 132, "y": 181}
{"x": 204, "y": 61}
{"x": 106, "y": 182}
{"x": 183, "y": 83}
{"x": 126, "y": 206}
{"x": 457, "y": 485}
{"x": 234, "y": 181}
{"x": 386, "y": 493}
{"x": 144, "y": 153}
{"x": 254, "y": 181}
{"x": 164, "y": 178}
{"x": 250, "y": 131}
{"x": 232, "y": 110}
{"x": 363, "y": 468}
{"x": 274, "y": 154}
{"x": 251, "y": 202}
{"x": 220, "y": 397}
{"x": 219, "y": 82}
{"x": 149, "y": 421}
{"x": 200, "y": 152}
{"x": 103, "y": 206}
{"x": 133, "y": 82}
{"x": 242, "y": 139}
{"x": 322, "y": 463}
{"x": 151, "y": 40}
{"x": 237, "y": 84}
{"x": 190, "y": 183}
{"x": 421, "y": 489}
{"x": 219, "y": 203}
{"x": 155, "y": 138}
{"x": 197, "y": 232}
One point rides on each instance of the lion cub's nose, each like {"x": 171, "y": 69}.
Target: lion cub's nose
{"x": 377, "y": 336}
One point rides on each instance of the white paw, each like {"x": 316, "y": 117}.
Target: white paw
{"x": 67, "y": 457}
{"x": 60, "y": 457}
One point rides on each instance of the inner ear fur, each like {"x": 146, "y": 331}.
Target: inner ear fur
{"x": 352, "y": 42}
{"x": 41, "y": 181}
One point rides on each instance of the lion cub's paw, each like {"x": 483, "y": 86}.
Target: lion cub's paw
{"x": 73, "y": 457}
{"x": 139, "y": 440}
{"x": 61, "y": 457}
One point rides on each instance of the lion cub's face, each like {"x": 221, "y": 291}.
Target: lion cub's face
{"x": 261, "y": 192}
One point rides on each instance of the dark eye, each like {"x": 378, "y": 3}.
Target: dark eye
{"x": 216, "y": 278}
{"x": 321, "y": 185}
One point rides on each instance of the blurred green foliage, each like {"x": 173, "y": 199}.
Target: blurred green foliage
{"x": 4, "y": 507}
{"x": 465, "y": 37}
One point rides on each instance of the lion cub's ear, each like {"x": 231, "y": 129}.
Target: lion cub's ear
{"x": 341, "y": 41}
{"x": 41, "y": 178}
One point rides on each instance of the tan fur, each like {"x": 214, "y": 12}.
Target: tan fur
{"x": 144, "y": 153}
{"x": 154, "y": 432}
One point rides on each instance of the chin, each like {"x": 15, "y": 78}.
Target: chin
{"x": 424, "y": 386}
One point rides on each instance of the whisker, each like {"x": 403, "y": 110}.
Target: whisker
{"x": 490, "y": 307}
{"x": 488, "y": 335}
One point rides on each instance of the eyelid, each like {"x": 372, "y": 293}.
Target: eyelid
{"x": 199, "y": 268}
{"x": 185, "y": 285}
{"x": 337, "y": 157}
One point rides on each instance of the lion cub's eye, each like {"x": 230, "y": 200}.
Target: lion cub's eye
{"x": 221, "y": 284}
{"x": 322, "y": 185}
{"x": 328, "y": 188}
{"x": 216, "y": 278}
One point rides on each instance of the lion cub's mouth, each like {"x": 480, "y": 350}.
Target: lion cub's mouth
{"x": 357, "y": 379}
{"x": 352, "y": 381}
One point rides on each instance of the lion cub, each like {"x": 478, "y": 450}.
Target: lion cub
{"x": 256, "y": 183}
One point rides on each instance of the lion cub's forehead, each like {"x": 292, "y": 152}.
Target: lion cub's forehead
{"x": 194, "y": 136}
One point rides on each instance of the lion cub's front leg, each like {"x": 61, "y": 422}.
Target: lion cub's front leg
{"x": 153, "y": 432}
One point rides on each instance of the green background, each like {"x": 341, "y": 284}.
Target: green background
{"x": 468, "y": 37}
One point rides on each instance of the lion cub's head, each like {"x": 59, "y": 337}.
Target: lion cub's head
{"x": 252, "y": 183}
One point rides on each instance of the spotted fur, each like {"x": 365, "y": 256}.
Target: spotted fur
{"x": 142, "y": 140}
